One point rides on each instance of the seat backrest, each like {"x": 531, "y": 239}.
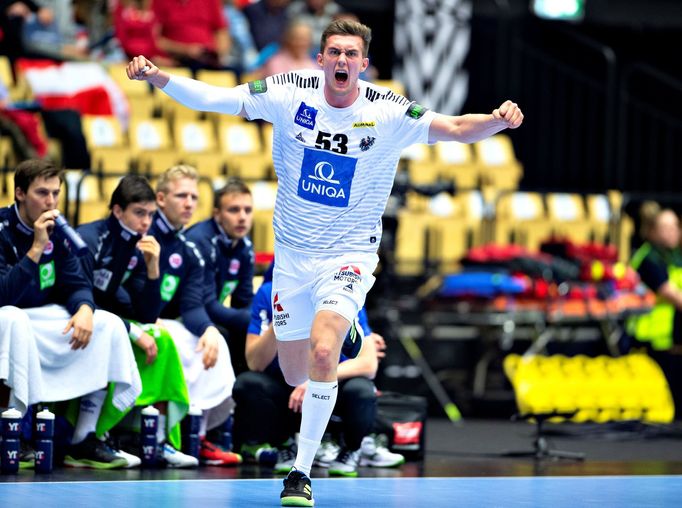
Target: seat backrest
{"x": 149, "y": 134}
{"x": 192, "y": 136}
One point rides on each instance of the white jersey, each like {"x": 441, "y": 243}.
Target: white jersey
{"x": 335, "y": 166}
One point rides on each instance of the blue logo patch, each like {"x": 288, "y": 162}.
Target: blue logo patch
{"x": 326, "y": 178}
{"x": 305, "y": 116}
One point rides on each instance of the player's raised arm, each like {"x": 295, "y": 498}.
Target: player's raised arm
{"x": 475, "y": 127}
{"x": 188, "y": 92}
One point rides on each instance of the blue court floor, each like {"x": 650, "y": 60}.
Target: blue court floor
{"x": 555, "y": 492}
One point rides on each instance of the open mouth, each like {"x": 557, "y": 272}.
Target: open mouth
{"x": 341, "y": 76}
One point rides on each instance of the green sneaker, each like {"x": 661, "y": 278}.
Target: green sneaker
{"x": 93, "y": 453}
{"x": 262, "y": 453}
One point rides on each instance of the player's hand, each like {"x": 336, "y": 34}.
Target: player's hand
{"x": 141, "y": 69}
{"x": 509, "y": 113}
{"x": 81, "y": 323}
{"x": 151, "y": 250}
{"x": 296, "y": 397}
{"x": 379, "y": 344}
{"x": 208, "y": 343}
{"x": 42, "y": 227}
{"x": 147, "y": 343}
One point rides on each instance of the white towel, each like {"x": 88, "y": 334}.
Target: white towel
{"x": 68, "y": 374}
{"x": 19, "y": 359}
{"x": 208, "y": 389}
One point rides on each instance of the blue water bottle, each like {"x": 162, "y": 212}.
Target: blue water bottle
{"x": 44, "y": 441}
{"x": 190, "y": 441}
{"x": 10, "y": 447}
{"x": 226, "y": 433}
{"x": 150, "y": 424}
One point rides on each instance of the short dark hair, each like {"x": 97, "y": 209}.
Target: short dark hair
{"x": 132, "y": 189}
{"x": 233, "y": 185}
{"x": 347, "y": 27}
{"x": 27, "y": 171}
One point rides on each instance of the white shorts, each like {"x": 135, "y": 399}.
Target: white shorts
{"x": 303, "y": 285}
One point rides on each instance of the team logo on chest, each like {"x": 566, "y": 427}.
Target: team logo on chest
{"x": 367, "y": 143}
{"x": 305, "y": 116}
{"x": 175, "y": 260}
{"x": 234, "y": 266}
{"x": 132, "y": 263}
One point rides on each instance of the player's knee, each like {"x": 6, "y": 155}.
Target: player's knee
{"x": 323, "y": 357}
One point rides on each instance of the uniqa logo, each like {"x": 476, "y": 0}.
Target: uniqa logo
{"x": 320, "y": 173}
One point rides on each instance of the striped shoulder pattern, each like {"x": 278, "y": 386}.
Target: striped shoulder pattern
{"x": 373, "y": 93}
{"x": 297, "y": 79}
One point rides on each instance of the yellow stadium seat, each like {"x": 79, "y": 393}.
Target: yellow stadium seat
{"x": 392, "y": 84}
{"x": 84, "y": 194}
{"x": 197, "y": 145}
{"x": 243, "y": 151}
{"x": 497, "y": 162}
{"x": 107, "y": 144}
{"x": 520, "y": 219}
{"x": 568, "y": 217}
{"x": 421, "y": 165}
{"x": 410, "y": 243}
{"x": 264, "y": 195}
{"x": 152, "y": 146}
{"x": 601, "y": 389}
{"x": 227, "y": 79}
{"x": 456, "y": 163}
{"x": 6, "y": 188}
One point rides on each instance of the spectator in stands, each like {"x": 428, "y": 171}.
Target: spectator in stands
{"x": 268, "y": 20}
{"x": 317, "y": 13}
{"x": 13, "y": 15}
{"x": 243, "y": 55}
{"x": 63, "y": 38}
{"x": 22, "y": 127}
{"x": 203, "y": 350}
{"x": 53, "y": 303}
{"x": 137, "y": 29}
{"x": 293, "y": 53}
{"x": 263, "y": 397}
{"x": 193, "y": 32}
{"x": 123, "y": 265}
{"x": 659, "y": 264}
{"x": 227, "y": 251}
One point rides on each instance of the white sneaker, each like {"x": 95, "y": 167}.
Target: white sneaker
{"x": 132, "y": 460}
{"x": 326, "y": 453}
{"x": 175, "y": 458}
{"x": 345, "y": 464}
{"x": 373, "y": 453}
{"x": 286, "y": 456}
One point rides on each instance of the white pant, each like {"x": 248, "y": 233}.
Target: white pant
{"x": 19, "y": 359}
{"x": 303, "y": 285}
{"x": 66, "y": 373}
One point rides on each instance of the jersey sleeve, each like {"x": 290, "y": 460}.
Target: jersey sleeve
{"x": 407, "y": 125}
{"x": 266, "y": 98}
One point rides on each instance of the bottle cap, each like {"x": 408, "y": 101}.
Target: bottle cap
{"x": 45, "y": 414}
{"x": 150, "y": 411}
{"x": 12, "y": 413}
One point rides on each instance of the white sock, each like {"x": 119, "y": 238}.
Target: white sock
{"x": 90, "y": 408}
{"x": 318, "y": 404}
{"x": 161, "y": 429}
